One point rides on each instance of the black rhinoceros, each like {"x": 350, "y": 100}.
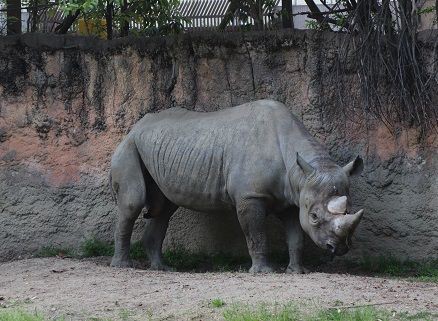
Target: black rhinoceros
{"x": 255, "y": 159}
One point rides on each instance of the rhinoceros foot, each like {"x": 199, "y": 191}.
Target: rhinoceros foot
{"x": 161, "y": 267}
{"x": 121, "y": 263}
{"x": 261, "y": 269}
{"x": 296, "y": 269}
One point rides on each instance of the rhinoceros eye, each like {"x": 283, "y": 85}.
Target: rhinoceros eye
{"x": 314, "y": 218}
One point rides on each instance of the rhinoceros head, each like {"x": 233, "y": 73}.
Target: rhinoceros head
{"x": 325, "y": 204}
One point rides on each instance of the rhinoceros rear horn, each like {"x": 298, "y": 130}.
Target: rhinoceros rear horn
{"x": 337, "y": 205}
{"x": 305, "y": 166}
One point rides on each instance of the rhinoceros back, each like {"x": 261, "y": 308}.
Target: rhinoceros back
{"x": 195, "y": 157}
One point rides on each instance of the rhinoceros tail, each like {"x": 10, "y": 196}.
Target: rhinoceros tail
{"x": 113, "y": 193}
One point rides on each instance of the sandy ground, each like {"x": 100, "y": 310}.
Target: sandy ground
{"x": 82, "y": 289}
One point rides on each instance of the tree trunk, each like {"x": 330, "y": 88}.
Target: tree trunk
{"x": 317, "y": 15}
{"x": 387, "y": 16}
{"x": 363, "y": 16}
{"x": 34, "y": 15}
{"x": 259, "y": 21}
{"x": 67, "y": 22}
{"x": 405, "y": 7}
{"x": 256, "y": 12}
{"x": 13, "y": 11}
{"x": 286, "y": 14}
{"x": 125, "y": 24}
{"x": 229, "y": 14}
{"x": 109, "y": 19}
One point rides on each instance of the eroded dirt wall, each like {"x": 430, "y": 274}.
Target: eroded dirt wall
{"x": 67, "y": 101}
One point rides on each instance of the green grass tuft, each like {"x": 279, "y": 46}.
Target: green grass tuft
{"x": 51, "y": 251}
{"x": 217, "y": 303}
{"x": 137, "y": 252}
{"x": 262, "y": 313}
{"x": 94, "y": 247}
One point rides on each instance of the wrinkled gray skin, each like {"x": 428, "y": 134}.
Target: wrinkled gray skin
{"x": 255, "y": 159}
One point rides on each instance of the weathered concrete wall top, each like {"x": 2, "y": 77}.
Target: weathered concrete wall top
{"x": 67, "y": 101}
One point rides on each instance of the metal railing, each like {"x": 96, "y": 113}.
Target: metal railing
{"x": 198, "y": 14}
{"x": 208, "y": 14}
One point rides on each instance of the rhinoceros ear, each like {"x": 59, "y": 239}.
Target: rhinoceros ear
{"x": 305, "y": 166}
{"x": 354, "y": 167}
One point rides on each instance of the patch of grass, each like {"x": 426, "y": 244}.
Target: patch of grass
{"x": 17, "y": 315}
{"x": 137, "y": 252}
{"x": 418, "y": 271}
{"x": 125, "y": 315}
{"x": 184, "y": 260}
{"x": 94, "y": 247}
{"x": 262, "y": 313}
{"x": 421, "y": 316}
{"x": 428, "y": 271}
{"x": 51, "y": 251}
{"x": 386, "y": 265}
{"x": 226, "y": 262}
{"x": 291, "y": 313}
{"x": 359, "y": 314}
{"x": 217, "y": 303}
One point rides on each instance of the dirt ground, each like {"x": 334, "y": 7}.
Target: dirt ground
{"x": 84, "y": 289}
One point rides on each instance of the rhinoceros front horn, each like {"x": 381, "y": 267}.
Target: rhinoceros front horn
{"x": 347, "y": 224}
{"x": 338, "y": 205}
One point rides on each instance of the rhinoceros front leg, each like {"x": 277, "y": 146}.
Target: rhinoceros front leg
{"x": 252, "y": 218}
{"x": 295, "y": 241}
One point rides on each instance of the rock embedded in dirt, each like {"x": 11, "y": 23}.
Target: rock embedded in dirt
{"x": 3, "y": 135}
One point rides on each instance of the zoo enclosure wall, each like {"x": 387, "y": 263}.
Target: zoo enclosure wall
{"x": 67, "y": 101}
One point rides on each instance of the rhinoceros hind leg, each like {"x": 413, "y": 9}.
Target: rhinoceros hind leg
{"x": 252, "y": 218}
{"x": 155, "y": 231}
{"x": 122, "y": 236}
{"x": 127, "y": 182}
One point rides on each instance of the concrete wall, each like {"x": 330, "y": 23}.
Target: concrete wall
{"x": 66, "y": 102}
